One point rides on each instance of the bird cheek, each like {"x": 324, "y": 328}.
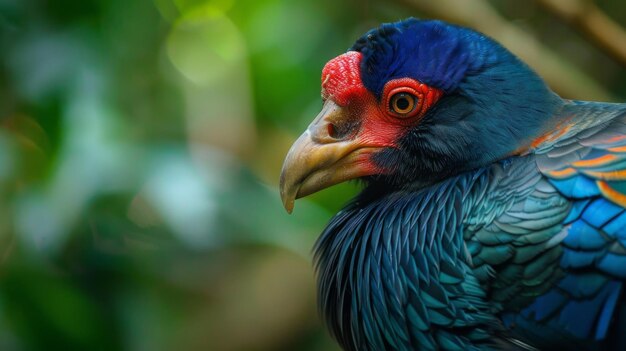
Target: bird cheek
{"x": 377, "y": 130}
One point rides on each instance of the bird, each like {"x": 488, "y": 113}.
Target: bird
{"x": 492, "y": 214}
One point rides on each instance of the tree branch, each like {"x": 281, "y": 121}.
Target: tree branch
{"x": 588, "y": 19}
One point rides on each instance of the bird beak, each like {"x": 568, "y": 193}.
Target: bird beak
{"x": 327, "y": 153}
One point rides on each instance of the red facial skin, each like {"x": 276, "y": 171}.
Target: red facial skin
{"x": 352, "y": 126}
{"x": 380, "y": 126}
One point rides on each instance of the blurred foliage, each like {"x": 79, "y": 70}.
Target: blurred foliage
{"x": 140, "y": 147}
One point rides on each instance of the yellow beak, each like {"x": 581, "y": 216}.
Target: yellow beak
{"x": 327, "y": 153}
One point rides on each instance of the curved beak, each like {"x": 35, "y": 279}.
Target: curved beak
{"x": 327, "y": 153}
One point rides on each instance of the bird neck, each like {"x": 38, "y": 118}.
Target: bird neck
{"x": 384, "y": 263}
{"x": 499, "y": 110}
{"x": 512, "y": 107}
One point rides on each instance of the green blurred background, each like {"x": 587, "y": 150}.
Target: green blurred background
{"x": 141, "y": 143}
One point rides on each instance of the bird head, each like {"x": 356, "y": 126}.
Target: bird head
{"x": 415, "y": 102}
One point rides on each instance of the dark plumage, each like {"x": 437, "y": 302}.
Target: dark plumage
{"x": 493, "y": 213}
{"x": 489, "y": 94}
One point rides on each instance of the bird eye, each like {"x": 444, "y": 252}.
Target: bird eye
{"x": 402, "y": 103}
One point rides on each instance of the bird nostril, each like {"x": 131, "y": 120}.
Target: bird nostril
{"x": 339, "y": 132}
{"x": 332, "y": 131}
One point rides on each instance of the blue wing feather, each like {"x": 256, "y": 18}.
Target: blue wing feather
{"x": 554, "y": 256}
{"x": 576, "y": 187}
{"x": 581, "y": 166}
